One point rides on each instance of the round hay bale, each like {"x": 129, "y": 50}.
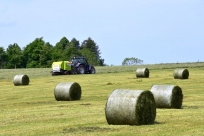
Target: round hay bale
{"x": 181, "y": 73}
{"x": 167, "y": 96}
{"x": 21, "y": 80}
{"x": 142, "y": 72}
{"x": 67, "y": 91}
{"x": 130, "y": 107}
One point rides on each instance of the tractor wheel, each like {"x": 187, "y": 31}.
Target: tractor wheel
{"x": 81, "y": 69}
{"x": 53, "y": 73}
{"x": 66, "y": 73}
{"x": 92, "y": 70}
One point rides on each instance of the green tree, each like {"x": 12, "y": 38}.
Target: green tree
{"x": 101, "y": 62}
{"x": 3, "y": 58}
{"x": 71, "y": 52}
{"x": 15, "y": 55}
{"x": 62, "y": 44}
{"x": 73, "y": 49}
{"x": 90, "y": 56}
{"x": 37, "y": 54}
{"x": 75, "y": 43}
{"x": 45, "y": 55}
{"x": 58, "y": 52}
{"x": 94, "y": 48}
{"x": 132, "y": 61}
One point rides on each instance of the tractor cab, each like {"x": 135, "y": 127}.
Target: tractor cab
{"x": 82, "y": 66}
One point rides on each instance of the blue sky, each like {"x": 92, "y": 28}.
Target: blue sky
{"x": 156, "y": 31}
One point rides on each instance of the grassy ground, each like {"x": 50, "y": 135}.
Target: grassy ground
{"x": 33, "y": 110}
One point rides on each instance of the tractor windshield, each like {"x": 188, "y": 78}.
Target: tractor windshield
{"x": 74, "y": 61}
{"x": 79, "y": 60}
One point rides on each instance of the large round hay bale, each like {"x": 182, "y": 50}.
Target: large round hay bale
{"x": 167, "y": 96}
{"x": 67, "y": 91}
{"x": 21, "y": 80}
{"x": 181, "y": 73}
{"x": 142, "y": 72}
{"x": 130, "y": 107}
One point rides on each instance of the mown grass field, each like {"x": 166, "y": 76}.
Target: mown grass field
{"x": 32, "y": 110}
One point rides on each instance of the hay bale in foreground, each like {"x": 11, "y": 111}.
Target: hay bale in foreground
{"x": 67, "y": 91}
{"x": 21, "y": 80}
{"x": 167, "y": 96}
{"x": 142, "y": 72}
{"x": 130, "y": 107}
{"x": 181, "y": 73}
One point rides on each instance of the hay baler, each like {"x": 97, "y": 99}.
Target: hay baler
{"x": 61, "y": 68}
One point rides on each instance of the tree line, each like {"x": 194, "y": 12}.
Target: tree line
{"x": 41, "y": 54}
{"x": 132, "y": 61}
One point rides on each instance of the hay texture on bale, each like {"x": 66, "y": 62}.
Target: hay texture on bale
{"x": 167, "y": 96}
{"x": 67, "y": 91}
{"x": 21, "y": 80}
{"x": 142, "y": 72}
{"x": 181, "y": 73}
{"x": 130, "y": 107}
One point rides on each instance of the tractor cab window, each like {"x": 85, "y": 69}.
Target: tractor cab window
{"x": 81, "y": 60}
{"x": 74, "y": 61}
{"x": 84, "y": 61}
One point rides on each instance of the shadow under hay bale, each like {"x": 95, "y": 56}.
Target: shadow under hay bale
{"x": 67, "y": 91}
{"x": 181, "y": 73}
{"x": 130, "y": 107}
{"x": 167, "y": 96}
{"x": 21, "y": 80}
{"x": 142, "y": 72}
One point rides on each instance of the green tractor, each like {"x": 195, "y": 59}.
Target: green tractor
{"x": 77, "y": 65}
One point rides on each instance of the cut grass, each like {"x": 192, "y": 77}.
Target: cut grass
{"x": 33, "y": 110}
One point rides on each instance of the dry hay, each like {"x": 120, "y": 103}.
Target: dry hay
{"x": 67, "y": 91}
{"x": 167, "y": 96}
{"x": 142, "y": 72}
{"x": 130, "y": 107}
{"x": 21, "y": 80}
{"x": 181, "y": 73}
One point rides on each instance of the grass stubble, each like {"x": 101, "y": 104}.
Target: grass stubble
{"x": 33, "y": 110}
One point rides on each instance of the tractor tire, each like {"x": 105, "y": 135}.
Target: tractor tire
{"x": 81, "y": 69}
{"x": 66, "y": 73}
{"x": 53, "y": 74}
{"x": 92, "y": 70}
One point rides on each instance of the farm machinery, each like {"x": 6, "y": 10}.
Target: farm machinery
{"x": 77, "y": 65}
